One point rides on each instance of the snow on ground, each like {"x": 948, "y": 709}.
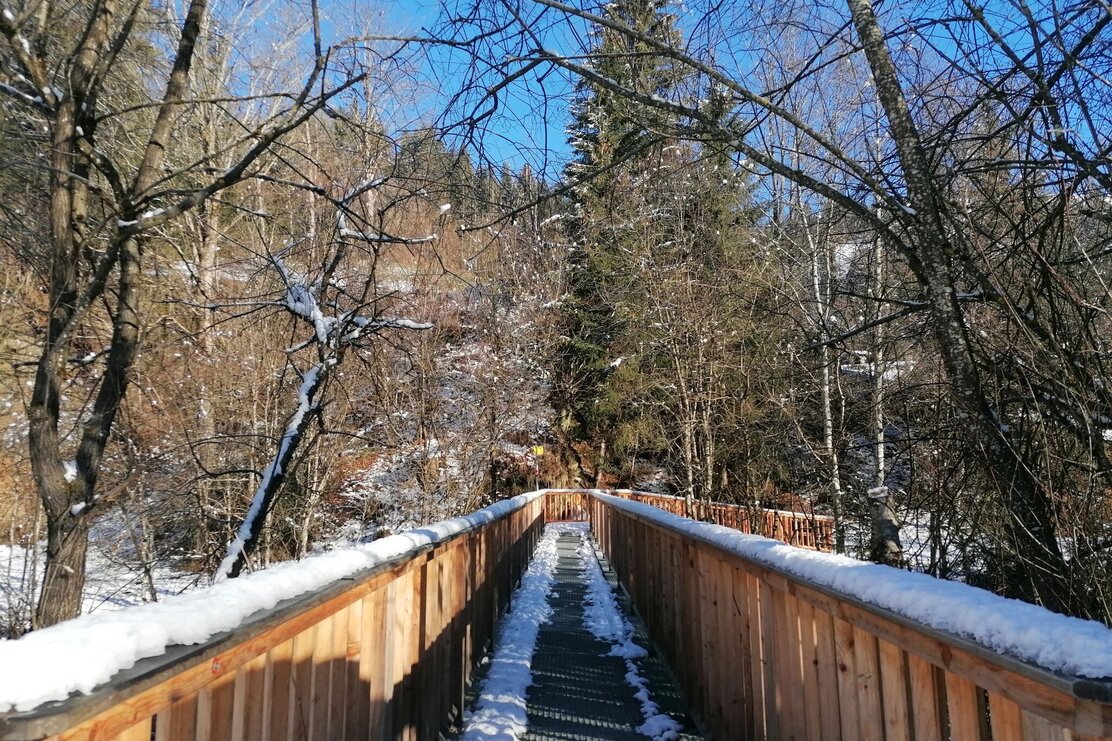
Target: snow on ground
{"x": 1062, "y": 644}
{"x": 113, "y": 581}
{"x": 437, "y": 459}
{"x": 603, "y": 617}
{"x": 500, "y": 711}
{"x": 80, "y": 654}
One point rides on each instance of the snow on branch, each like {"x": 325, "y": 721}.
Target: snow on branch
{"x": 275, "y": 470}
{"x": 32, "y": 100}
{"x": 330, "y": 335}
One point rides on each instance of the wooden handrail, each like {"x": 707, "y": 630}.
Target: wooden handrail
{"x": 385, "y": 653}
{"x": 803, "y": 529}
{"x": 765, "y": 654}
{"x": 761, "y": 652}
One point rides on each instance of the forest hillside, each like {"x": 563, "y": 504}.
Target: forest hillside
{"x": 277, "y": 276}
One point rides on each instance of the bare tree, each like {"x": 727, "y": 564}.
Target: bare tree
{"x": 106, "y": 202}
{"x": 1041, "y": 82}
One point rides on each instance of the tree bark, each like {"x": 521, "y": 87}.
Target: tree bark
{"x": 1038, "y": 571}
{"x": 67, "y": 541}
{"x": 69, "y": 497}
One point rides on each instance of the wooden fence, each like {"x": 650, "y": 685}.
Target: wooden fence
{"x": 385, "y": 654}
{"x": 763, "y": 654}
{"x": 802, "y": 529}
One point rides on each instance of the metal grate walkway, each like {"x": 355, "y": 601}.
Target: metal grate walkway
{"x": 580, "y": 692}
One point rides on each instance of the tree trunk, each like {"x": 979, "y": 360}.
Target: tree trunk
{"x": 819, "y": 270}
{"x": 1038, "y": 571}
{"x": 885, "y": 543}
{"x": 67, "y": 542}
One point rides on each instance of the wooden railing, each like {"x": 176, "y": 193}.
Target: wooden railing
{"x": 806, "y": 530}
{"x": 384, "y": 654}
{"x": 763, "y": 654}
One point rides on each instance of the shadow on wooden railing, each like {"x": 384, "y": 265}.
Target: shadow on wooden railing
{"x": 385, "y": 653}
{"x": 765, "y": 654}
{"x": 806, "y": 530}
{"x": 762, "y": 654}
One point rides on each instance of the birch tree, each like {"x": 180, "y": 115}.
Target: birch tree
{"x": 1042, "y": 75}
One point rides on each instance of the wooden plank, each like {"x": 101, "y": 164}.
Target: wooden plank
{"x": 844, "y": 641}
{"x": 401, "y": 636}
{"x": 250, "y": 717}
{"x": 927, "y": 714}
{"x": 1037, "y": 728}
{"x": 770, "y": 668}
{"x": 216, "y": 708}
{"x": 812, "y": 697}
{"x": 694, "y": 605}
{"x": 415, "y": 643}
{"x": 963, "y": 708}
{"x": 153, "y": 698}
{"x": 1004, "y": 719}
{"x": 1025, "y": 691}
{"x": 357, "y": 695}
{"x": 793, "y": 717}
{"x": 178, "y": 722}
{"x": 239, "y": 703}
{"x": 675, "y": 557}
{"x": 871, "y": 720}
{"x": 708, "y": 639}
{"x": 894, "y": 683}
{"x": 280, "y": 669}
{"x": 733, "y": 661}
{"x": 376, "y": 661}
{"x": 721, "y": 671}
{"x": 156, "y": 693}
{"x": 462, "y": 642}
{"x": 430, "y": 669}
{"x": 1092, "y": 718}
{"x": 141, "y": 731}
{"x": 826, "y": 670}
{"x": 758, "y": 670}
{"x": 301, "y": 686}
{"x": 320, "y": 682}
{"x": 336, "y": 705}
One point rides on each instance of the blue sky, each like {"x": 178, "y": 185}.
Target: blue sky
{"x": 530, "y": 121}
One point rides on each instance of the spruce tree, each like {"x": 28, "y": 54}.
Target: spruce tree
{"x": 619, "y": 152}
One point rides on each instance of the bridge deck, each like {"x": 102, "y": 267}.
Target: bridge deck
{"x": 579, "y": 691}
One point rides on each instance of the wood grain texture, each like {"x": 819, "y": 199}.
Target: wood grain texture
{"x": 877, "y": 674}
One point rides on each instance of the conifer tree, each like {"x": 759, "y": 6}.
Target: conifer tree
{"x": 618, "y": 148}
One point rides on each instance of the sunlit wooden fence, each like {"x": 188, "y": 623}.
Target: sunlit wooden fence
{"x": 384, "y": 655}
{"x": 763, "y": 654}
{"x": 803, "y": 529}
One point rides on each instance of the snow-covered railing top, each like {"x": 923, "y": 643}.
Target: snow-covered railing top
{"x": 1033, "y": 634}
{"x": 803, "y": 529}
{"x": 1023, "y": 659}
{"x": 79, "y": 656}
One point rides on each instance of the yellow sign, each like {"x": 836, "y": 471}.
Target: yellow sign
{"x": 538, "y": 450}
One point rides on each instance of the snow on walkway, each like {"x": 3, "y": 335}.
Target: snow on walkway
{"x": 566, "y": 662}
{"x": 500, "y": 710}
{"x": 603, "y": 617}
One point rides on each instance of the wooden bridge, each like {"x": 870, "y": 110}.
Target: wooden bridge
{"x": 760, "y": 653}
